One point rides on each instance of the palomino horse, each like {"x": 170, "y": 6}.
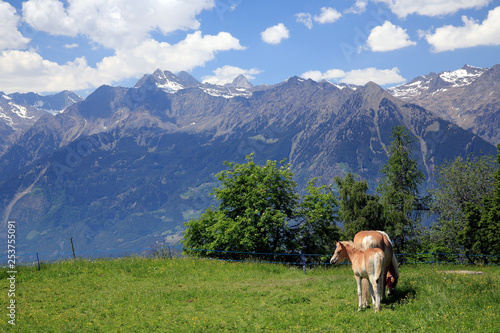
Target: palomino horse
{"x": 379, "y": 239}
{"x": 368, "y": 264}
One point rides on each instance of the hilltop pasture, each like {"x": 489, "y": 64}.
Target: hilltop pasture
{"x": 199, "y": 295}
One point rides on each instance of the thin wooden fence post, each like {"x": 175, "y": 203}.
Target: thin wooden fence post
{"x": 38, "y": 261}
{"x": 304, "y": 262}
{"x": 72, "y": 248}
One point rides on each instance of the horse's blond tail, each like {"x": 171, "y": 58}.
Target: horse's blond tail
{"x": 365, "y": 293}
{"x": 386, "y": 235}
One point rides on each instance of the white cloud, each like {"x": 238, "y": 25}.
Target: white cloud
{"x": 275, "y": 34}
{"x": 358, "y": 7}
{"x": 71, "y": 46}
{"x": 124, "y": 26}
{"x": 358, "y": 76}
{"x": 379, "y": 76}
{"x": 44, "y": 75}
{"x": 388, "y": 37}
{"x": 328, "y": 15}
{"x": 332, "y": 74}
{"x": 403, "y": 8}
{"x": 306, "y": 19}
{"x": 114, "y": 24}
{"x": 47, "y": 76}
{"x": 471, "y": 34}
{"x": 195, "y": 50}
{"x": 10, "y": 37}
{"x": 227, "y": 74}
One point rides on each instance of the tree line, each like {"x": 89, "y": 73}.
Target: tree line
{"x": 260, "y": 211}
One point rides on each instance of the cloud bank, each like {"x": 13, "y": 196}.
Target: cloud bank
{"x": 403, "y": 8}
{"x": 471, "y": 34}
{"x": 358, "y": 76}
{"x": 125, "y": 27}
{"x": 227, "y": 74}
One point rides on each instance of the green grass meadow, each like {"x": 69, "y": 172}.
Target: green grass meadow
{"x": 199, "y": 295}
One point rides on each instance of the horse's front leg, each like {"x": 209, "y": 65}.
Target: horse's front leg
{"x": 360, "y": 302}
{"x": 386, "y": 271}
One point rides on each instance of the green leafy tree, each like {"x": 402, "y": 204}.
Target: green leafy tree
{"x": 260, "y": 211}
{"x": 358, "y": 210}
{"x": 256, "y": 204}
{"x": 460, "y": 183}
{"x": 480, "y": 234}
{"x": 316, "y": 231}
{"x": 399, "y": 190}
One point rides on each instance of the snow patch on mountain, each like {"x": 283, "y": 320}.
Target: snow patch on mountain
{"x": 462, "y": 77}
{"x": 19, "y": 110}
{"x": 433, "y": 83}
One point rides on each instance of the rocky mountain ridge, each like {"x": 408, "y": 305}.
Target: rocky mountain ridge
{"x": 128, "y": 166}
{"x": 18, "y": 112}
{"x": 468, "y": 97}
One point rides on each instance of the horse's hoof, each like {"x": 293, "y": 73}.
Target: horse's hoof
{"x": 359, "y": 309}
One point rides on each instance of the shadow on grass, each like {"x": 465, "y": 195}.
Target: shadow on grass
{"x": 401, "y": 296}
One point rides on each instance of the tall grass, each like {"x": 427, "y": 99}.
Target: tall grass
{"x": 194, "y": 295}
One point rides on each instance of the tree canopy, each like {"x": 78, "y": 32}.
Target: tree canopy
{"x": 260, "y": 211}
{"x": 358, "y": 210}
{"x": 460, "y": 183}
{"x": 480, "y": 234}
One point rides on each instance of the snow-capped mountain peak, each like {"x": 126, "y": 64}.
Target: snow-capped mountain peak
{"x": 434, "y": 83}
{"x": 167, "y": 81}
{"x": 172, "y": 83}
{"x": 463, "y": 76}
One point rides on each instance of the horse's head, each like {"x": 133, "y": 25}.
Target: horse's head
{"x": 391, "y": 281}
{"x": 339, "y": 254}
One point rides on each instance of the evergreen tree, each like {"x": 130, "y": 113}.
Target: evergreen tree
{"x": 481, "y": 232}
{"x": 399, "y": 189}
{"x": 358, "y": 210}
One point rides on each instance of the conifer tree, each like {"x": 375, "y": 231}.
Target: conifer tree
{"x": 399, "y": 189}
{"x": 358, "y": 210}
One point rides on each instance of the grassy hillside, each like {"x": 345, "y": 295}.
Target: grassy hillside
{"x": 194, "y": 295}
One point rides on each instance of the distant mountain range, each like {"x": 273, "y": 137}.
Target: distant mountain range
{"x": 128, "y": 166}
{"x": 18, "y": 112}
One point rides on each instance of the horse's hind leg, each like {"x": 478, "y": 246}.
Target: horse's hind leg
{"x": 376, "y": 288}
{"x": 371, "y": 291}
{"x": 358, "y": 280}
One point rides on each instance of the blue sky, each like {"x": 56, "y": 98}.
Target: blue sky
{"x": 51, "y": 45}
